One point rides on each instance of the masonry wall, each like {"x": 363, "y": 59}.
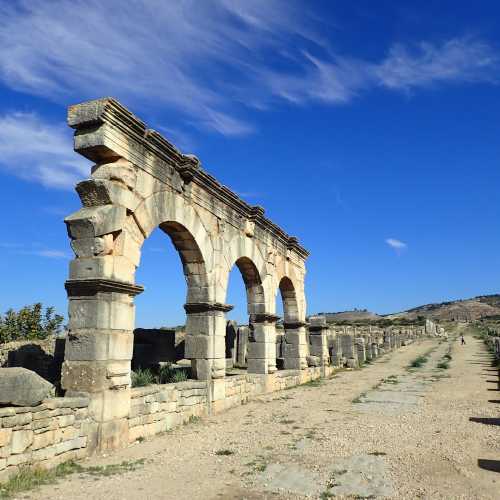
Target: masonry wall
{"x": 55, "y": 431}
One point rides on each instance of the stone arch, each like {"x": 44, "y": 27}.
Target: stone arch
{"x": 139, "y": 182}
{"x": 289, "y": 298}
{"x": 296, "y": 347}
{"x": 256, "y": 298}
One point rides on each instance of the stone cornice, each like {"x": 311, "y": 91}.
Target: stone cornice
{"x": 92, "y": 286}
{"x": 294, "y": 325}
{"x": 263, "y": 318}
{"x": 200, "y": 307}
{"x": 95, "y": 121}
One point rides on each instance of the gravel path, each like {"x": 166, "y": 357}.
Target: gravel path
{"x": 380, "y": 431}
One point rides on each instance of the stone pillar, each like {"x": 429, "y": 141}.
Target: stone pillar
{"x": 387, "y": 341}
{"x": 348, "y": 350}
{"x": 241, "y": 358}
{"x": 205, "y": 339}
{"x": 360, "y": 350}
{"x": 374, "y": 350}
{"x": 335, "y": 349}
{"x": 296, "y": 346}
{"x": 318, "y": 339}
{"x": 261, "y": 357}
{"x": 98, "y": 352}
{"x": 368, "y": 348}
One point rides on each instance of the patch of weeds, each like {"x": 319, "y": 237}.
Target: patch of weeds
{"x": 443, "y": 365}
{"x": 313, "y": 383}
{"x": 377, "y": 453}
{"x": 224, "y": 453}
{"x": 167, "y": 374}
{"x": 418, "y": 362}
{"x": 113, "y": 469}
{"x": 29, "y": 478}
{"x": 311, "y": 434}
{"x": 448, "y": 357}
{"x": 258, "y": 465}
{"x": 193, "y": 419}
{"x": 142, "y": 377}
{"x": 285, "y": 433}
{"x": 287, "y": 422}
{"x": 141, "y": 439}
{"x": 359, "y": 399}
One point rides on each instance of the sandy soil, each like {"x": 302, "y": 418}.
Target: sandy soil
{"x": 379, "y": 431}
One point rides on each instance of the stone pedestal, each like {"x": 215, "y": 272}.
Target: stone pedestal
{"x": 296, "y": 346}
{"x": 318, "y": 339}
{"x": 261, "y": 356}
{"x": 205, "y": 339}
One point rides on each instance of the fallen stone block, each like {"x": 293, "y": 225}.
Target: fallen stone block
{"x": 22, "y": 387}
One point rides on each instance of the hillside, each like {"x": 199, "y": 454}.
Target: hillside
{"x": 458, "y": 310}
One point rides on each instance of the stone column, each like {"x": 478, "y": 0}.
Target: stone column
{"x": 205, "y": 339}
{"x": 261, "y": 356}
{"x": 368, "y": 347}
{"x": 243, "y": 333}
{"x": 98, "y": 352}
{"x": 296, "y": 346}
{"x": 360, "y": 349}
{"x": 387, "y": 341}
{"x": 335, "y": 348}
{"x": 318, "y": 339}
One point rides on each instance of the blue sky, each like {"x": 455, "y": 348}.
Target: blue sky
{"x": 370, "y": 131}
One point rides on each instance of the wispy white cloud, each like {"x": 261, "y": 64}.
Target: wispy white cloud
{"x": 35, "y": 150}
{"x": 34, "y": 249}
{"x": 398, "y": 245}
{"x": 209, "y": 60}
{"x": 51, "y": 254}
{"x": 339, "y": 79}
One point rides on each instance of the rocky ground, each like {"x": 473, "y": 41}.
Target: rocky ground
{"x": 383, "y": 431}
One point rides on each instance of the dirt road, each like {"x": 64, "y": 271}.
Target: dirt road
{"x": 383, "y": 431}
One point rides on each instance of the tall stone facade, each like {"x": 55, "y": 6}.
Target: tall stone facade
{"x": 140, "y": 182}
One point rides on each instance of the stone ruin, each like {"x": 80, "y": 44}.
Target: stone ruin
{"x": 140, "y": 182}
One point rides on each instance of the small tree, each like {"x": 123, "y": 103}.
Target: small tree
{"x": 29, "y": 323}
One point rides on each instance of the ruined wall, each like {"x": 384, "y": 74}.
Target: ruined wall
{"x": 55, "y": 431}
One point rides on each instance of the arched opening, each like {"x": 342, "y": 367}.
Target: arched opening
{"x": 248, "y": 304}
{"x": 286, "y": 308}
{"x": 288, "y": 301}
{"x": 160, "y": 333}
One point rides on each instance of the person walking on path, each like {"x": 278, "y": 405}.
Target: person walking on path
{"x": 463, "y": 340}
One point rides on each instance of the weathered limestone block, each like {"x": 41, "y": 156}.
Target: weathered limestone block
{"x": 104, "y": 311}
{"x": 92, "y": 247}
{"x": 22, "y": 387}
{"x": 112, "y": 267}
{"x": 98, "y": 192}
{"x": 204, "y": 346}
{"x": 313, "y": 361}
{"x": 95, "y": 221}
{"x": 121, "y": 171}
{"x": 99, "y": 345}
{"x": 20, "y": 441}
{"x": 5, "y": 437}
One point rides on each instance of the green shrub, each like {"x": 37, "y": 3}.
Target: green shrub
{"x": 142, "y": 377}
{"x": 29, "y": 323}
{"x": 167, "y": 374}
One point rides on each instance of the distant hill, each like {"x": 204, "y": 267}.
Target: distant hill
{"x": 457, "y": 310}
{"x": 354, "y": 315}
{"x": 483, "y": 306}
